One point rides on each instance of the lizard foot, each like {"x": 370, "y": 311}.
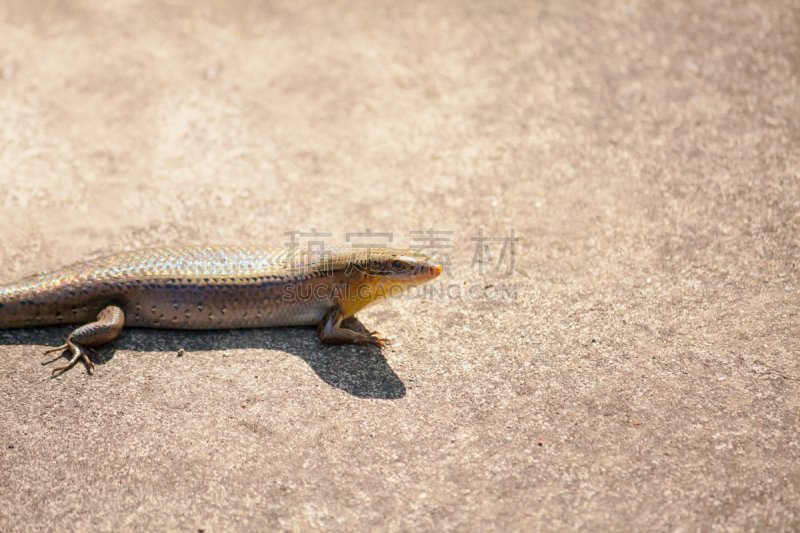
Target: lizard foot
{"x": 373, "y": 339}
{"x": 330, "y": 332}
{"x": 78, "y": 353}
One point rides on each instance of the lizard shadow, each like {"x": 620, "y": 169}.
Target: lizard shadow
{"x": 361, "y": 371}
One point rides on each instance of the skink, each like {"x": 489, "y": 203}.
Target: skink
{"x": 213, "y": 287}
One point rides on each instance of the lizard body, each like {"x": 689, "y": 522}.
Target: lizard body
{"x": 213, "y": 287}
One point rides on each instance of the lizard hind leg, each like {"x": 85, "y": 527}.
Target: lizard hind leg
{"x": 106, "y": 328}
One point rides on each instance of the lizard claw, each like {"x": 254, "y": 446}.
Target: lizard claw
{"x": 371, "y": 339}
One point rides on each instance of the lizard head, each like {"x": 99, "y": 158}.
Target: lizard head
{"x": 388, "y": 273}
{"x": 402, "y": 267}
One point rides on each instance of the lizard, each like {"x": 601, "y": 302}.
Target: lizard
{"x": 212, "y": 287}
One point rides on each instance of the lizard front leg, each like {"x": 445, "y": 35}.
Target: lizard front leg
{"x": 106, "y": 328}
{"x": 329, "y": 332}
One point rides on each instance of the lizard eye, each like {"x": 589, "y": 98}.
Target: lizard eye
{"x": 397, "y": 265}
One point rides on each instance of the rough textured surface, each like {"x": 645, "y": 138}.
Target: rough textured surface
{"x": 646, "y": 376}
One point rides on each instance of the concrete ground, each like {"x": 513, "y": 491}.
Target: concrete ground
{"x": 640, "y": 371}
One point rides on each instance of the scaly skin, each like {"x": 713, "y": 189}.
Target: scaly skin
{"x": 213, "y": 287}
